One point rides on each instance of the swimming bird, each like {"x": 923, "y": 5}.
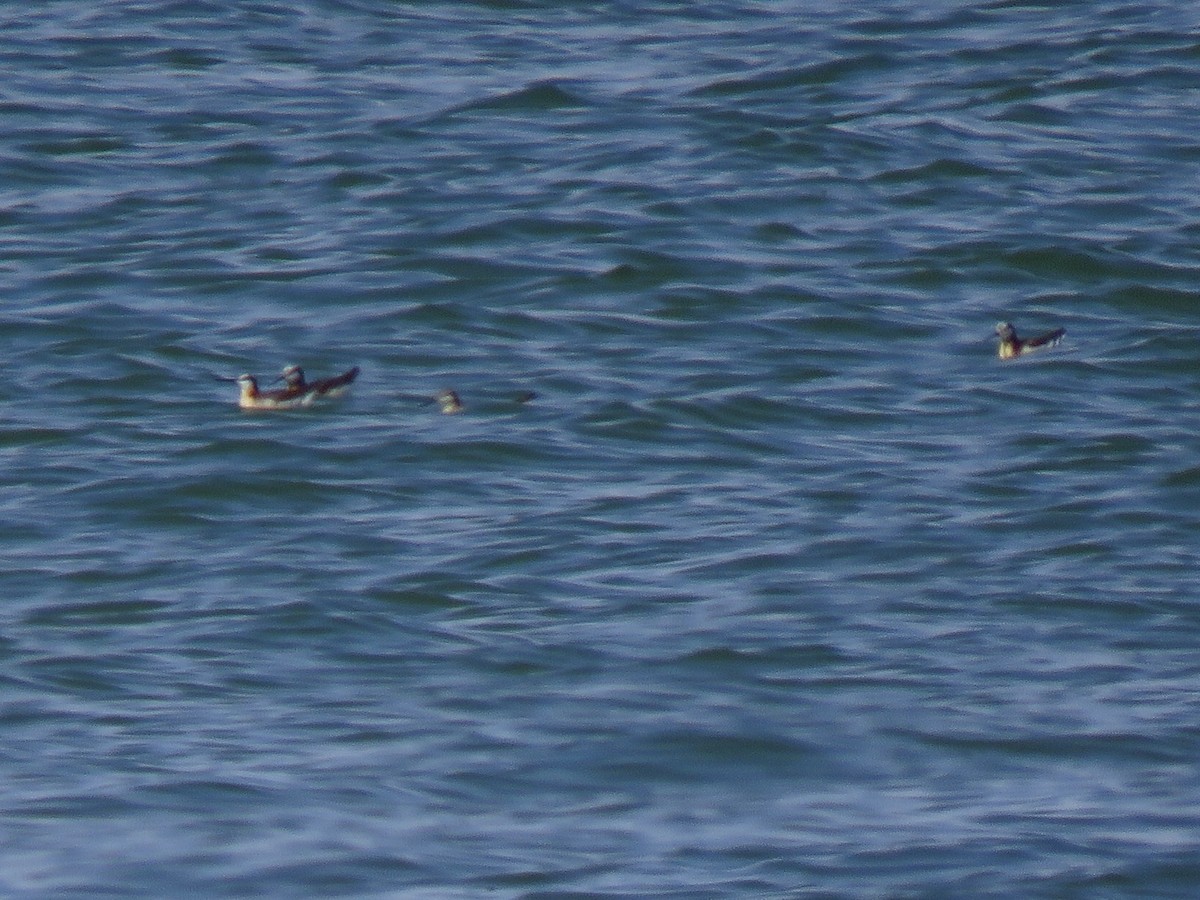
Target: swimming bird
{"x": 253, "y": 398}
{"x": 322, "y": 388}
{"x": 1012, "y": 346}
{"x": 449, "y": 402}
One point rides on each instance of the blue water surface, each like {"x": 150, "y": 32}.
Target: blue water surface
{"x": 748, "y": 570}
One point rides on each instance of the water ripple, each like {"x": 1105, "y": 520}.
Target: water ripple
{"x": 746, "y": 569}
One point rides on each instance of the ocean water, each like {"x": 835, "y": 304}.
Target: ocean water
{"x": 782, "y": 585}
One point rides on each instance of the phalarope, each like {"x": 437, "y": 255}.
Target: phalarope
{"x": 295, "y": 394}
{"x": 322, "y": 388}
{"x": 1012, "y": 346}
{"x": 449, "y": 402}
{"x": 253, "y": 398}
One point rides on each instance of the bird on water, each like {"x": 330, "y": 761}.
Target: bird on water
{"x": 296, "y": 393}
{"x": 449, "y": 402}
{"x": 329, "y": 388}
{"x": 1012, "y": 346}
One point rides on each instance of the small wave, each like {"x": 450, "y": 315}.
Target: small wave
{"x": 541, "y": 96}
{"x": 814, "y": 75}
{"x": 936, "y": 171}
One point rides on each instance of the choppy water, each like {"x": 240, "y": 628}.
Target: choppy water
{"x": 782, "y": 586}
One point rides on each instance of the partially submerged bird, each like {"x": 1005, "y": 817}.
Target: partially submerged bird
{"x": 297, "y": 392}
{"x": 1012, "y": 346}
{"x": 449, "y": 401}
